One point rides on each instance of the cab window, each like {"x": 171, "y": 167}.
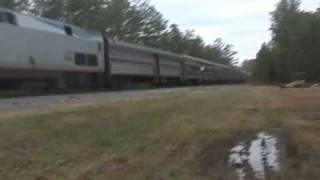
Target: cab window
{"x": 92, "y": 60}
{"x": 1, "y": 17}
{"x": 10, "y": 18}
{"x": 68, "y": 30}
{"x": 80, "y": 59}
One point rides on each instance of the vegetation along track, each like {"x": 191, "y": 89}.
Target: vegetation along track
{"x": 174, "y": 136}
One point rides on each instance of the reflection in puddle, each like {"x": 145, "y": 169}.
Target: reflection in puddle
{"x": 256, "y": 158}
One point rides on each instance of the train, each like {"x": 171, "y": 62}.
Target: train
{"x": 40, "y": 51}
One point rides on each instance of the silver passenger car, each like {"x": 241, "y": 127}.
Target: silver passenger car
{"x": 130, "y": 60}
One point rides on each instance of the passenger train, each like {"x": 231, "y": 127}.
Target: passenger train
{"x": 60, "y": 55}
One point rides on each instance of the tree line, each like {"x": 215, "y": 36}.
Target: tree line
{"x": 135, "y": 21}
{"x": 294, "y": 50}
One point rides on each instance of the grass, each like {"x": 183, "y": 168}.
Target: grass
{"x": 178, "y": 137}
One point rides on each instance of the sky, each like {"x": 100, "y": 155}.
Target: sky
{"x": 242, "y": 23}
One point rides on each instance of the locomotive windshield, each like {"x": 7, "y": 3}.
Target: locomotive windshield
{"x": 8, "y": 18}
{"x": 68, "y": 30}
{"x": 11, "y": 19}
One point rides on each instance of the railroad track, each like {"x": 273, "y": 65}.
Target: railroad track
{"x": 45, "y": 101}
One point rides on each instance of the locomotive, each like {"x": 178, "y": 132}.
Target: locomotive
{"x": 61, "y": 55}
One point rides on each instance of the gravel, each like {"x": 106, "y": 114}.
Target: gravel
{"x": 52, "y": 101}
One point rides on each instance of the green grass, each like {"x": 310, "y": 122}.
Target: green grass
{"x": 179, "y": 137}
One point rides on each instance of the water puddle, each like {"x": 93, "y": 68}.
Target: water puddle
{"x": 256, "y": 159}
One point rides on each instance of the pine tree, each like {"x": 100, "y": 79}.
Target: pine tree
{"x": 19, "y": 5}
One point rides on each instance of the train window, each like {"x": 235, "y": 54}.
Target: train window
{"x": 80, "y": 59}
{"x": 1, "y": 17}
{"x": 68, "y": 30}
{"x": 194, "y": 68}
{"x": 11, "y": 18}
{"x": 99, "y": 47}
{"x": 92, "y": 60}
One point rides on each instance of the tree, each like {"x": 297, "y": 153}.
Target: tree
{"x": 114, "y": 19}
{"x": 136, "y": 22}
{"x": 264, "y": 66}
{"x": 79, "y": 12}
{"x": 248, "y": 65}
{"x": 52, "y": 9}
{"x": 19, "y": 5}
{"x": 152, "y": 24}
{"x": 293, "y": 52}
{"x": 285, "y": 29}
{"x": 174, "y": 38}
{"x": 225, "y": 53}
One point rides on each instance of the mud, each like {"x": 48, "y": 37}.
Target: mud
{"x": 257, "y": 158}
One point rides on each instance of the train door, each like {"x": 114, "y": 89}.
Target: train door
{"x": 183, "y": 71}
{"x": 156, "y": 69}
{"x": 107, "y": 64}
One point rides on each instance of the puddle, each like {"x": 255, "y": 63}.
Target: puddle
{"x": 256, "y": 159}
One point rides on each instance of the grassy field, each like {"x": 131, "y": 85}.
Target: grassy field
{"x": 178, "y": 137}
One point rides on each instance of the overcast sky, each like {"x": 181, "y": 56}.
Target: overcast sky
{"x": 243, "y": 23}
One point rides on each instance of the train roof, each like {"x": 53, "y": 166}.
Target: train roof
{"x": 207, "y": 62}
{"x": 163, "y": 52}
{"x": 52, "y": 26}
{"x": 143, "y": 48}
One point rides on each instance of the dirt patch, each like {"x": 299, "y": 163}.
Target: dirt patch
{"x": 116, "y": 166}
